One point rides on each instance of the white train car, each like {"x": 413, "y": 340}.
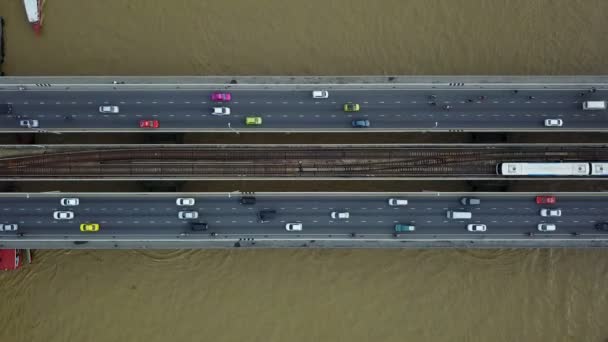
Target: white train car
{"x": 543, "y": 169}
{"x": 599, "y": 169}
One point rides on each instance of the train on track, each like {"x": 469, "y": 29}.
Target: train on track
{"x": 548, "y": 169}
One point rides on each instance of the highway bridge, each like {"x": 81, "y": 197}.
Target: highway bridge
{"x": 436, "y": 106}
{"x": 146, "y": 220}
{"x": 304, "y": 162}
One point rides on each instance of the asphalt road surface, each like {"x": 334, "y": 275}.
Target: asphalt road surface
{"x": 370, "y": 216}
{"x": 190, "y": 110}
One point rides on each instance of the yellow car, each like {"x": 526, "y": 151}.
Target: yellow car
{"x": 253, "y": 120}
{"x": 351, "y": 107}
{"x": 89, "y": 227}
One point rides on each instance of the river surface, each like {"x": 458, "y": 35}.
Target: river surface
{"x": 308, "y": 295}
{"x": 311, "y": 37}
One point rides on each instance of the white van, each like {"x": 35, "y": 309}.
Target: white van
{"x": 594, "y": 105}
{"x": 458, "y": 215}
{"x": 320, "y": 94}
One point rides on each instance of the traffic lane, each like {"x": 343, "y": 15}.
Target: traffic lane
{"x": 278, "y": 228}
{"x": 302, "y": 107}
{"x": 117, "y": 95}
{"x": 297, "y": 203}
{"x": 337, "y": 121}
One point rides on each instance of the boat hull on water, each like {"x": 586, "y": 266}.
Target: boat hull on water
{"x": 33, "y": 9}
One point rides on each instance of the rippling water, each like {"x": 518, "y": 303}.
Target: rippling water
{"x": 308, "y": 295}
{"x": 202, "y": 37}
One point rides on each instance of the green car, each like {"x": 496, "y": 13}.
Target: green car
{"x": 404, "y": 228}
{"x": 351, "y": 107}
{"x": 253, "y": 120}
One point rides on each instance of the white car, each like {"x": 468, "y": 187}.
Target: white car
{"x": 108, "y": 109}
{"x": 29, "y": 123}
{"x": 293, "y": 227}
{"x": 340, "y": 215}
{"x": 185, "y": 201}
{"x": 69, "y": 202}
{"x": 320, "y": 94}
{"x": 550, "y": 212}
{"x": 10, "y": 227}
{"x": 394, "y": 202}
{"x": 546, "y": 227}
{"x": 187, "y": 215}
{"x": 63, "y": 215}
{"x": 554, "y": 123}
{"x": 476, "y": 227}
{"x": 221, "y": 111}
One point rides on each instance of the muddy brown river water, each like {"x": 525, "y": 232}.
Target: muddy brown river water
{"x": 308, "y": 295}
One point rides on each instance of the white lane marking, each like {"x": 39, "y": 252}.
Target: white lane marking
{"x": 41, "y": 102}
{"x": 138, "y": 102}
{"x": 57, "y": 102}
{"x": 170, "y": 102}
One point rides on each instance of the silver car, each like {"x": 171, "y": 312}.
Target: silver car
{"x": 343, "y": 215}
{"x": 29, "y": 123}
{"x": 554, "y": 123}
{"x": 8, "y": 227}
{"x": 108, "y": 109}
{"x": 63, "y": 215}
{"x": 185, "y": 201}
{"x": 550, "y": 212}
{"x": 221, "y": 111}
{"x": 69, "y": 202}
{"x": 187, "y": 215}
{"x": 296, "y": 226}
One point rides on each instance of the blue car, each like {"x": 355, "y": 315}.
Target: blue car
{"x": 360, "y": 123}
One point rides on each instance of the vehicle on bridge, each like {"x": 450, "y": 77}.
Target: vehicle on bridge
{"x": 360, "y": 123}
{"x": 342, "y": 215}
{"x": 602, "y": 226}
{"x": 294, "y": 227}
{"x": 6, "y": 108}
{"x": 253, "y": 121}
{"x": 543, "y": 169}
{"x": 397, "y": 202}
{"x": 476, "y": 227}
{"x": 149, "y": 124}
{"x": 554, "y": 123}
{"x": 221, "y": 97}
{"x": 8, "y": 227}
{"x": 594, "y": 105}
{"x": 187, "y": 215}
{"x": 470, "y": 201}
{"x": 404, "y": 228}
{"x": 320, "y": 94}
{"x": 266, "y": 215}
{"x": 546, "y": 227}
{"x": 69, "y": 202}
{"x": 550, "y": 212}
{"x": 219, "y": 111}
{"x": 63, "y": 215}
{"x": 29, "y": 123}
{"x": 185, "y": 201}
{"x": 546, "y": 200}
{"x": 108, "y": 109}
{"x": 351, "y": 107}
{"x": 89, "y": 227}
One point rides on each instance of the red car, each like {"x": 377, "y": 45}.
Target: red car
{"x": 545, "y": 200}
{"x": 221, "y": 97}
{"x": 149, "y": 124}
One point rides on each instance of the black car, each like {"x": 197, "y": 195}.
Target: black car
{"x": 6, "y": 108}
{"x": 198, "y": 226}
{"x": 248, "y": 200}
{"x": 266, "y": 215}
{"x": 602, "y": 226}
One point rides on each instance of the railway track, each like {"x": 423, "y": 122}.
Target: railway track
{"x": 299, "y": 161}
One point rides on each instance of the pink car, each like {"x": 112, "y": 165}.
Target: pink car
{"x": 221, "y": 97}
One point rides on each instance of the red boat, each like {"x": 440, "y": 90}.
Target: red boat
{"x": 33, "y": 9}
